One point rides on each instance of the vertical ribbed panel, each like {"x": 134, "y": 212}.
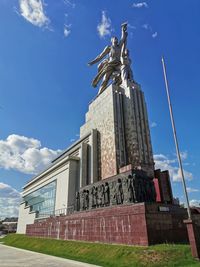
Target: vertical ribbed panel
{"x": 119, "y": 129}
{"x": 83, "y": 165}
{"x": 137, "y": 134}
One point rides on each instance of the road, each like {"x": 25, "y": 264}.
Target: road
{"x": 14, "y": 257}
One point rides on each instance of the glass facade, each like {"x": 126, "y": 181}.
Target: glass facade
{"x": 42, "y": 200}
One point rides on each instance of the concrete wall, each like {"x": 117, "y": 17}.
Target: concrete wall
{"x": 25, "y": 217}
{"x": 62, "y": 181}
{"x": 73, "y": 183}
{"x": 74, "y": 167}
{"x": 65, "y": 175}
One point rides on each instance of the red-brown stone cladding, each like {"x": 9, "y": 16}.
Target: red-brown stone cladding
{"x": 193, "y": 228}
{"x": 139, "y": 224}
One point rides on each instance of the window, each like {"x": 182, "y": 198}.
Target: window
{"x": 42, "y": 200}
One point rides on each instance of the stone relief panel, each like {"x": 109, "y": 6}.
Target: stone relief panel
{"x": 134, "y": 187}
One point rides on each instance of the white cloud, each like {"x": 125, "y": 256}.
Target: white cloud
{"x": 153, "y": 124}
{"x": 146, "y": 26}
{"x": 184, "y": 155}
{"x": 9, "y": 201}
{"x": 69, "y": 3}
{"x": 195, "y": 203}
{"x": 25, "y": 154}
{"x": 164, "y": 163}
{"x": 155, "y": 34}
{"x": 104, "y": 28}
{"x": 67, "y": 30}
{"x": 178, "y": 177}
{"x": 192, "y": 190}
{"x": 33, "y": 11}
{"x": 140, "y": 5}
{"x": 132, "y": 27}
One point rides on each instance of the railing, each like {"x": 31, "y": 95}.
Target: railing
{"x": 65, "y": 211}
{"x": 59, "y": 212}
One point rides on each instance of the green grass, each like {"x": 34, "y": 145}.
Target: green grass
{"x": 107, "y": 255}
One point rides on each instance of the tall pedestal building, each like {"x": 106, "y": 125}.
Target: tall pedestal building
{"x": 119, "y": 115}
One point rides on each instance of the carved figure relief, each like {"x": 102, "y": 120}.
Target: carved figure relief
{"x": 77, "y": 201}
{"x": 119, "y": 195}
{"x": 107, "y": 194}
{"x": 94, "y": 196}
{"x": 85, "y": 197}
{"x": 131, "y": 189}
{"x": 135, "y": 188}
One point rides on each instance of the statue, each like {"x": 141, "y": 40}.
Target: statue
{"x": 135, "y": 187}
{"x": 131, "y": 189}
{"x": 111, "y": 65}
{"x": 94, "y": 197}
{"x": 107, "y": 194}
{"x": 119, "y": 195}
{"x": 102, "y": 195}
{"x": 77, "y": 201}
{"x": 85, "y": 196}
{"x": 84, "y": 200}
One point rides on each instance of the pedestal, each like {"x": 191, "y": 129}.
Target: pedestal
{"x": 120, "y": 117}
{"x": 133, "y": 224}
{"x": 194, "y": 237}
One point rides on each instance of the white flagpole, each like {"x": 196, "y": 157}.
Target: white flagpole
{"x": 176, "y": 140}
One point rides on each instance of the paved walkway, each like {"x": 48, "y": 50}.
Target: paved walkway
{"x": 15, "y": 257}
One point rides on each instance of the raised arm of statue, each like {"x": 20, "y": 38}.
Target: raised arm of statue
{"x": 101, "y": 56}
{"x": 124, "y": 34}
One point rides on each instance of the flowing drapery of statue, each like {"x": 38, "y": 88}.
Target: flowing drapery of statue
{"x": 116, "y": 66}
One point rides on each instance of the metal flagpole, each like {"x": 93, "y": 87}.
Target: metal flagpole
{"x": 175, "y": 139}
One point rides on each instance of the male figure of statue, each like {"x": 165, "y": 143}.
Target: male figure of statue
{"x": 111, "y": 64}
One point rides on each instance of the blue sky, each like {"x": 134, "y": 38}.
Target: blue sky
{"x": 45, "y": 83}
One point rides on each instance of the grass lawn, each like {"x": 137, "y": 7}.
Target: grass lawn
{"x": 107, "y": 255}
